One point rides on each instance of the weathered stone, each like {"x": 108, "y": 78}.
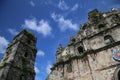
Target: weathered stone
{"x": 88, "y": 56}
{"x": 19, "y": 59}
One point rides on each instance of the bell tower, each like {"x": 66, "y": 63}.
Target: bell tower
{"x": 19, "y": 58}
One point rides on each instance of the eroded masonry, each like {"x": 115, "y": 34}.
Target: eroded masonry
{"x": 19, "y": 59}
{"x": 93, "y": 53}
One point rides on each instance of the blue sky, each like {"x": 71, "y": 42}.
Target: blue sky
{"x": 52, "y": 21}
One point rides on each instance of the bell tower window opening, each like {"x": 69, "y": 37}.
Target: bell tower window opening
{"x": 29, "y": 41}
{"x": 22, "y": 77}
{"x": 80, "y": 50}
{"x": 108, "y": 39}
{"x": 26, "y": 54}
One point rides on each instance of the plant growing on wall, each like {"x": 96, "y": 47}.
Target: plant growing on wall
{"x": 60, "y": 59}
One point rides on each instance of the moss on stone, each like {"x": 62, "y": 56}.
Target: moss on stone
{"x": 95, "y": 16}
{"x": 31, "y": 35}
{"x": 68, "y": 56}
{"x": 60, "y": 59}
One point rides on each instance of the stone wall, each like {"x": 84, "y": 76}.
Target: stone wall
{"x": 94, "y": 66}
{"x": 88, "y": 55}
{"x": 19, "y": 59}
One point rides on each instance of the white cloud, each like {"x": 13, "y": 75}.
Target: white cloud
{"x": 32, "y": 3}
{"x": 62, "y": 5}
{"x": 13, "y": 31}
{"x": 37, "y": 70}
{"x": 41, "y": 26}
{"x": 40, "y": 53}
{"x": 37, "y": 78}
{"x": 63, "y": 23}
{"x": 75, "y": 7}
{"x": 3, "y": 44}
{"x": 48, "y": 68}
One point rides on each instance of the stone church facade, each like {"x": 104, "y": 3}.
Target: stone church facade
{"x": 89, "y": 54}
{"x": 19, "y": 59}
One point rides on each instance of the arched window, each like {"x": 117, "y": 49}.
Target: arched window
{"x": 24, "y": 58}
{"x": 80, "y": 49}
{"x": 108, "y": 39}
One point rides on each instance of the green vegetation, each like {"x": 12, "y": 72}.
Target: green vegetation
{"x": 21, "y": 67}
{"x": 84, "y": 26}
{"x": 80, "y": 55}
{"x": 68, "y": 56}
{"x": 73, "y": 43}
{"x": 95, "y": 16}
{"x": 31, "y": 35}
{"x": 60, "y": 59}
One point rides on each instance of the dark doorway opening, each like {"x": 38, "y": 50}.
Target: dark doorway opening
{"x": 80, "y": 49}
